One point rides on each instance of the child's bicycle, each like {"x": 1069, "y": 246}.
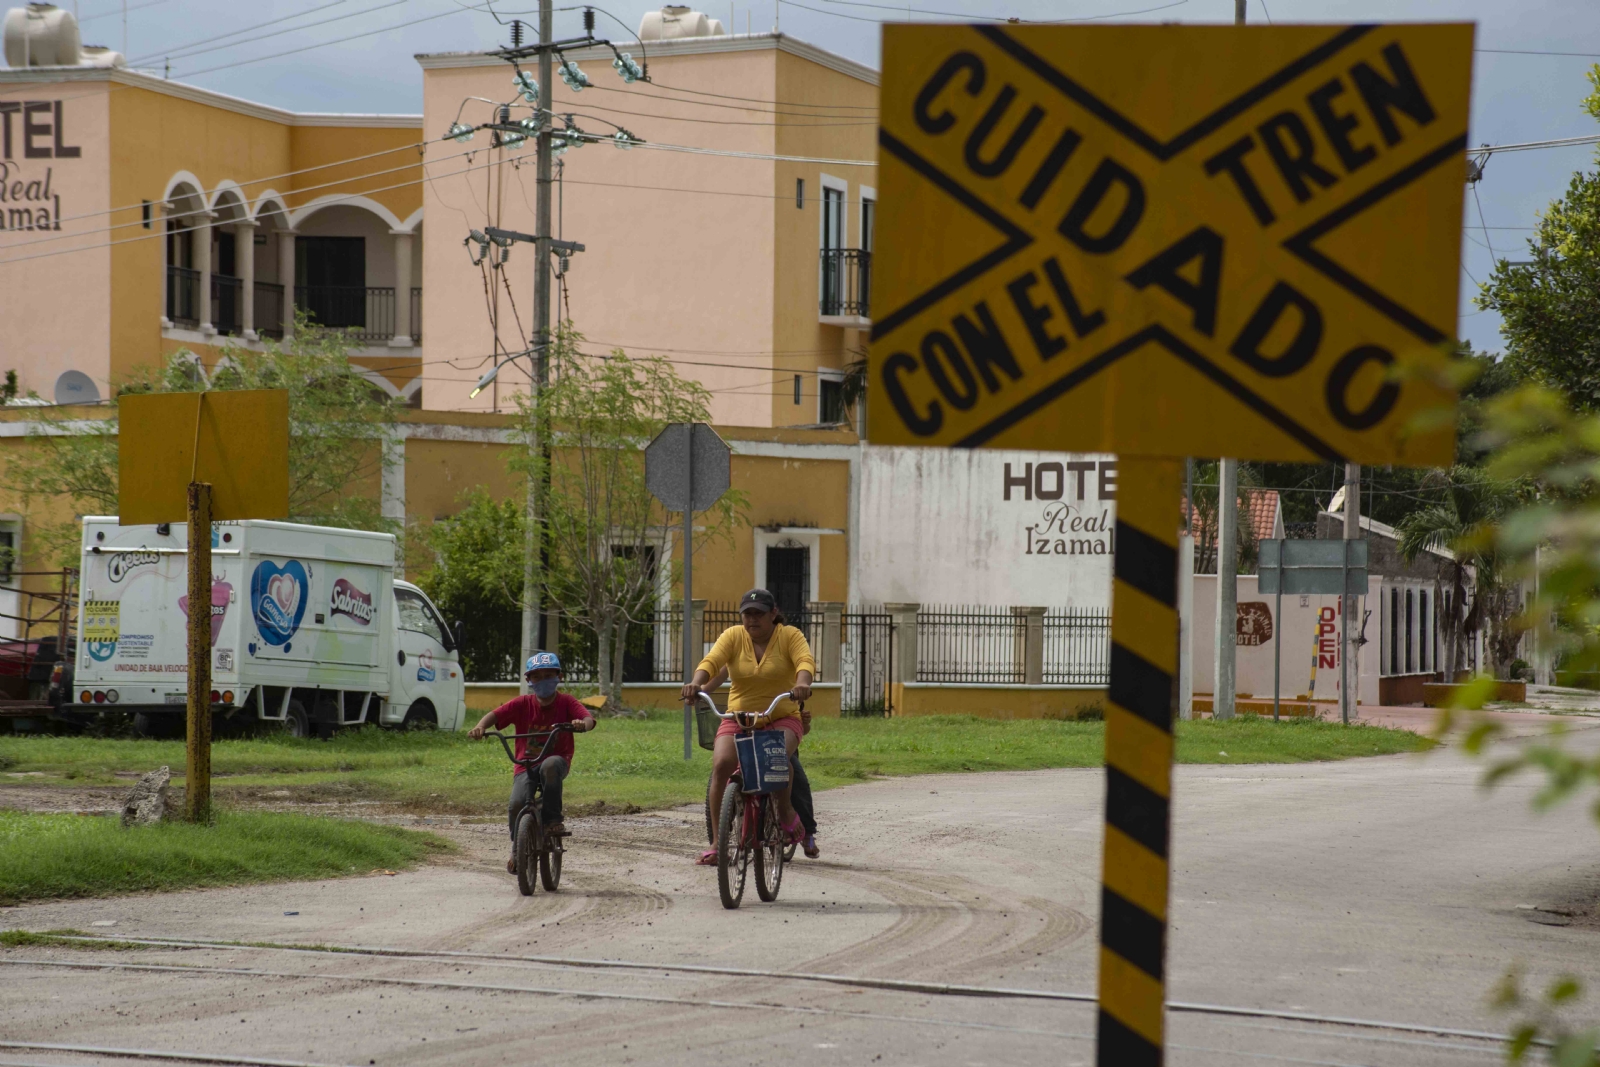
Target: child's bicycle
{"x": 748, "y": 827}
{"x": 534, "y": 847}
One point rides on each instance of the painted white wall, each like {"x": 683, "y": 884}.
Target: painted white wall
{"x": 937, "y": 527}
{"x": 1304, "y": 640}
{"x": 55, "y": 309}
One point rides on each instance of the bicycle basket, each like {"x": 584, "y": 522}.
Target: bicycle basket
{"x": 763, "y": 760}
{"x": 707, "y": 722}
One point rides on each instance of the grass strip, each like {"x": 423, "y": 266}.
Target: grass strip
{"x": 51, "y": 856}
{"x": 632, "y": 764}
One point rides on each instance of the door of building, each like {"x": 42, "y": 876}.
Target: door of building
{"x": 330, "y": 279}
{"x": 789, "y": 578}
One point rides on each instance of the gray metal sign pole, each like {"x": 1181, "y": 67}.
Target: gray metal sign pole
{"x": 689, "y": 660}
{"x": 687, "y": 468}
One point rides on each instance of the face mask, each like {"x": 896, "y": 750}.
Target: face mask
{"x": 546, "y": 688}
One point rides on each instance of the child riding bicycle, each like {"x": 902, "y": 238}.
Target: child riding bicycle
{"x": 763, "y": 657}
{"x": 543, "y": 708}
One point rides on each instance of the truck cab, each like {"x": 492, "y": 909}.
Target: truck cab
{"x": 427, "y": 686}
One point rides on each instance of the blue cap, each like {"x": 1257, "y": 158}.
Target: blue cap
{"x": 542, "y": 661}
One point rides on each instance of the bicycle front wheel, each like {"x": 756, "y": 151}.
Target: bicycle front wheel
{"x": 733, "y": 853}
{"x": 527, "y": 849}
{"x": 770, "y": 852}
{"x": 550, "y": 864}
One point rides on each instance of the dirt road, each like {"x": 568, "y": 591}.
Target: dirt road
{"x": 1390, "y": 889}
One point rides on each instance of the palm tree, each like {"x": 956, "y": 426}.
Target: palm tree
{"x": 1469, "y": 505}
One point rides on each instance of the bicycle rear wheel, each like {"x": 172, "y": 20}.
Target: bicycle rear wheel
{"x": 733, "y": 853}
{"x": 527, "y": 843}
{"x": 770, "y": 852}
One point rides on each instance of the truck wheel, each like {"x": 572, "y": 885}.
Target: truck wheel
{"x": 421, "y": 716}
{"x": 296, "y": 722}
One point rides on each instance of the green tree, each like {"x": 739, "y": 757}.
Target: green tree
{"x": 1468, "y": 503}
{"x": 338, "y": 422}
{"x": 1550, "y": 306}
{"x": 477, "y": 577}
{"x": 607, "y": 542}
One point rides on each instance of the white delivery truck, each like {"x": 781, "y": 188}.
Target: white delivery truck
{"x": 308, "y": 628}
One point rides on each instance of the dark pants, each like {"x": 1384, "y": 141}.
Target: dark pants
{"x": 800, "y": 796}
{"x": 551, "y": 773}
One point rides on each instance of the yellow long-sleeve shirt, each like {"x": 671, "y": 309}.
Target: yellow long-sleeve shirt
{"x": 755, "y": 684}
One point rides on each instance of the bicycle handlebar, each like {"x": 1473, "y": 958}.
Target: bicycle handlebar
{"x": 780, "y": 698}
{"x": 549, "y": 736}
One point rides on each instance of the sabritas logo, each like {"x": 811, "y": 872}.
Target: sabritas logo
{"x": 348, "y": 600}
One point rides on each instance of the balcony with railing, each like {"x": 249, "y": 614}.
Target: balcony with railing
{"x": 227, "y": 304}
{"x": 183, "y": 296}
{"x": 269, "y": 310}
{"x": 846, "y": 279}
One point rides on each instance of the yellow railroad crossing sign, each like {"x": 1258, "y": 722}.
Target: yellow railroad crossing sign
{"x": 1170, "y": 240}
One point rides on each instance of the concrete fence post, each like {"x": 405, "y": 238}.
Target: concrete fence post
{"x": 697, "y": 626}
{"x": 832, "y": 636}
{"x": 905, "y": 653}
{"x": 1030, "y": 654}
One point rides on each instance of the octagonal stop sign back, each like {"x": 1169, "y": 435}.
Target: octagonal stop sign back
{"x": 1170, "y": 240}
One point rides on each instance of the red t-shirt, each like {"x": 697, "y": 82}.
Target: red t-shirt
{"x": 527, "y": 715}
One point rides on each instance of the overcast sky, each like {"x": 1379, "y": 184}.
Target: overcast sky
{"x": 1515, "y": 98}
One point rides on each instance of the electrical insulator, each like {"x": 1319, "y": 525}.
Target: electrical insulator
{"x": 627, "y": 68}
{"x": 505, "y": 115}
{"x": 622, "y": 139}
{"x": 575, "y": 78}
{"x": 460, "y": 132}
{"x": 588, "y": 21}
{"x": 527, "y": 85}
{"x": 516, "y": 33}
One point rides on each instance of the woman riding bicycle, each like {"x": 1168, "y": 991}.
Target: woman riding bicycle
{"x": 763, "y": 657}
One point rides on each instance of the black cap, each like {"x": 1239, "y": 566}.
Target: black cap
{"x": 758, "y": 598}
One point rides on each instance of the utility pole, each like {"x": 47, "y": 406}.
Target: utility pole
{"x": 1349, "y": 678}
{"x": 1225, "y": 673}
{"x": 533, "y": 543}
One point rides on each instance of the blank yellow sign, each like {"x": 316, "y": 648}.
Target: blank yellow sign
{"x": 1170, "y": 240}
{"x": 243, "y": 439}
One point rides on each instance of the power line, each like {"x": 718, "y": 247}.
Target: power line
{"x": 346, "y": 196}
{"x": 1560, "y": 142}
{"x": 324, "y": 44}
{"x": 1531, "y": 52}
{"x": 992, "y": 18}
{"x": 734, "y": 122}
{"x": 119, "y": 11}
{"x": 296, "y": 191}
{"x": 185, "y": 51}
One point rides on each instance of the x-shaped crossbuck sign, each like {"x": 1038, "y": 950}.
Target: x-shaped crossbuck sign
{"x": 1170, "y": 240}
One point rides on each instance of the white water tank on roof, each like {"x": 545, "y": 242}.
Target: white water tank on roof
{"x": 674, "y": 21}
{"x": 41, "y": 35}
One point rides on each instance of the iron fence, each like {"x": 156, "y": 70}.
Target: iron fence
{"x": 1077, "y": 646}
{"x": 866, "y": 662}
{"x": 970, "y": 644}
